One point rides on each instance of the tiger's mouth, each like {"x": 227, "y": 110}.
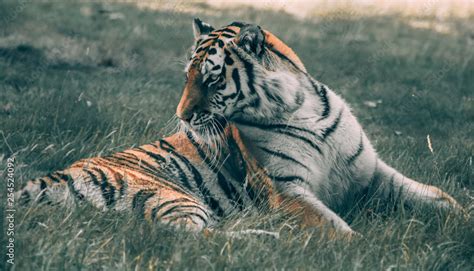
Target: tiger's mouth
{"x": 207, "y": 126}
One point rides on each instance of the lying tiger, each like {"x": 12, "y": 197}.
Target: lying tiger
{"x": 278, "y": 136}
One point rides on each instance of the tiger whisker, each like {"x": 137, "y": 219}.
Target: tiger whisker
{"x": 172, "y": 121}
{"x": 213, "y": 151}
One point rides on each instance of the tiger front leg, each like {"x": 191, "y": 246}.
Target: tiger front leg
{"x": 299, "y": 201}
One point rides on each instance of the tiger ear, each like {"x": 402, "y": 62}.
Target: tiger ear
{"x": 201, "y": 28}
{"x": 251, "y": 39}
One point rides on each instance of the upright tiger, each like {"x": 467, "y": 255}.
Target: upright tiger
{"x": 300, "y": 131}
{"x": 172, "y": 180}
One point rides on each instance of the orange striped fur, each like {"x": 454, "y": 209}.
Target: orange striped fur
{"x": 145, "y": 180}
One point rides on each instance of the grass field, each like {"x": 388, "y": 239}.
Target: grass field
{"x": 81, "y": 80}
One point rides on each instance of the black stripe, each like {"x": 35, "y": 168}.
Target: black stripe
{"x": 108, "y": 190}
{"x": 201, "y": 153}
{"x": 229, "y": 190}
{"x": 299, "y": 100}
{"x": 182, "y": 175}
{"x": 43, "y": 187}
{"x": 76, "y": 193}
{"x": 210, "y": 80}
{"x": 230, "y": 30}
{"x": 250, "y": 76}
{"x": 324, "y": 100}
{"x": 118, "y": 179}
{"x": 237, "y": 24}
{"x": 70, "y": 184}
{"x": 225, "y": 30}
{"x": 302, "y": 138}
{"x": 210, "y": 60}
{"x": 160, "y": 206}
{"x": 225, "y": 35}
{"x": 206, "y": 40}
{"x": 218, "y": 100}
{"x": 135, "y": 164}
{"x": 236, "y": 78}
{"x": 200, "y": 49}
{"x": 283, "y": 156}
{"x": 220, "y": 43}
{"x": 92, "y": 177}
{"x": 139, "y": 200}
{"x": 281, "y": 130}
{"x": 165, "y": 145}
{"x": 177, "y": 208}
{"x": 140, "y": 164}
{"x": 212, "y": 51}
{"x": 241, "y": 169}
{"x": 53, "y": 178}
{"x": 228, "y": 59}
{"x": 252, "y": 194}
{"x": 208, "y": 198}
{"x": 160, "y": 159}
{"x": 123, "y": 186}
{"x": 287, "y": 178}
{"x": 359, "y": 150}
{"x": 227, "y": 97}
{"x": 329, "y": 130}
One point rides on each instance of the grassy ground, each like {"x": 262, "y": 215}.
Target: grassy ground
{"x": 80, "y": 80}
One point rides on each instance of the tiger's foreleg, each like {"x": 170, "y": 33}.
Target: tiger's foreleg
{"x": 299, "y": 201}
{"x": 295, "y": 201}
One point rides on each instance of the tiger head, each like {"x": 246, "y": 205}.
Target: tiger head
{"x": 235, "y": 72}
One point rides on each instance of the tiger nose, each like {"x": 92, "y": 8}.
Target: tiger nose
{"x": 185, "y": 115}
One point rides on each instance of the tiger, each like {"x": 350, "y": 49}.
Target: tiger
{"x": 302, "y": 133}
{"x": 257, "y": 130}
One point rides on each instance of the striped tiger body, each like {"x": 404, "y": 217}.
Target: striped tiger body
{"x": 302, "y": 133}
{"x": 172, "y": 180}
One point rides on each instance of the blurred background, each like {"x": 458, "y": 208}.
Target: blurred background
{"x": 305, "y": 9}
